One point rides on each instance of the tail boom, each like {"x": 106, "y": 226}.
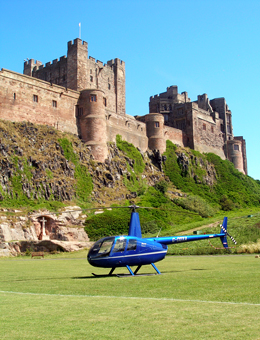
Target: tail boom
{"x": 188, "y": 238}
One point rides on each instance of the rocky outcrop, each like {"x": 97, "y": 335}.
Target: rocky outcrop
{"x": 48, "y": 246}
{"x": 191, "y": 165}
{"x": 44, "y": 231}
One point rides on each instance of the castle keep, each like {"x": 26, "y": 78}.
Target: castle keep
{"x": 84, "y": 96}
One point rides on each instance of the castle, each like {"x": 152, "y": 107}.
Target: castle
{"x": 84, "y": 96}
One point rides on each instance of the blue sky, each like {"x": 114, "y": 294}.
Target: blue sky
{"x": 202, "y": 46}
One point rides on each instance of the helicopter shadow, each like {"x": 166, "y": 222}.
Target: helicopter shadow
{"x": 95, "y": 276}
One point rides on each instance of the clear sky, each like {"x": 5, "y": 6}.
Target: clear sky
{"x": 202, "y": 46}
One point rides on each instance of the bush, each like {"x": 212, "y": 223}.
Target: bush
{"x": 226, "y": 204}
{"x": 161, "y": 186}
{"x": 196, "y": 204}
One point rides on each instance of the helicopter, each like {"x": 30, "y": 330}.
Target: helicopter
{"x": 133, "y": 250}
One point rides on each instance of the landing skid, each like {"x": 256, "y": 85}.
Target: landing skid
{"x": 131, "y": 273}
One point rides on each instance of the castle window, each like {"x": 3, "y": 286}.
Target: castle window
{"x": 35, "y": 98}
{"x": 91, "y": 79}
{"x": 165, "y": 107}
{"x": 63, "y": 78}
{"x": 236, "y": 147}
{"x": 228, "y": 128}
{"x": 104, "y": 101}
{"x": 109, "y": 86}
{"x": 14, "y": 96}
{"x": 156, "y": 124}
{"x": 212, "y": 129}
{"x": 166, "y": 118}
{"x": 54, "y": 103}
{"x": 93, "y": 98}
{"x": 79, "y": 111}
{"x": 204, "y": 127}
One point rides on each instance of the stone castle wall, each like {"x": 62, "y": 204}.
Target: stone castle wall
{"x": 23, "y": 98}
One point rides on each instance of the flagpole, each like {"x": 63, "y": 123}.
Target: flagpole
{"x": 80, "y": 30}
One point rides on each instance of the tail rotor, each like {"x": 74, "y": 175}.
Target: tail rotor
{"x": 224, "y": 237}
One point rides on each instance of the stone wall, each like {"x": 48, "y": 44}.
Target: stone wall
{"x": 128, "y": 127}
{"x": 176, "y": 136}
{"x": 23, "y": 98}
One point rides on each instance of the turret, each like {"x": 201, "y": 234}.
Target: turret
{"x": 77, "y": 65}
{"x": 235, "y": 154}
{"x": 154, "y": 127}
{"x": 92, "y": 122}
{"x": 30, "y": 65}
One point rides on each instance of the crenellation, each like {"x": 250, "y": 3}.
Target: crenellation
{"x": 99, "y": 63}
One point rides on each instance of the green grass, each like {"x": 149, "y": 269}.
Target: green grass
{"x": 213, "y": 297}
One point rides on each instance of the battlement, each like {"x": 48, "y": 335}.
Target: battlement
{"x": 115, "y": 61}
{"x": 109, "y": 63}
{"x": 171, "y": 95}
{"x": 77, "y": 42}
{"x": 173, "y": 89}
{"x": 31, "y": 63}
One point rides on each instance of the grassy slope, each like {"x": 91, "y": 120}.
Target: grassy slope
{"x": 231, "y": 190}
{"x": 195, "y": 298}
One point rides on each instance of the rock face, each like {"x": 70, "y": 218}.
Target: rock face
{"x": 44, "y": 231}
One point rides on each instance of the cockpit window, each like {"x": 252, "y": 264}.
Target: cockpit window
{"x": 131, "y": 244}
{"x": 119, "y": 246}
{"x": 105, "y": 247}
{"x": 102, "y": 247}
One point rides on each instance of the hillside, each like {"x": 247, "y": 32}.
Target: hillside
{"x": 44, "y": 168}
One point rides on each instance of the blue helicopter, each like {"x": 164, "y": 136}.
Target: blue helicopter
{"x": 133, "y": 250}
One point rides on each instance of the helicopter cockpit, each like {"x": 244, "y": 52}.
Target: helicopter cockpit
{"x": 101, "y": 248}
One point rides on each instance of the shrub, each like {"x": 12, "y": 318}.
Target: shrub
{"x": 196, "y": 204}
{"x": 161, "y": 186}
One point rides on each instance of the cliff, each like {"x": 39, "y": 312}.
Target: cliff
{"x": 43, "y": 168}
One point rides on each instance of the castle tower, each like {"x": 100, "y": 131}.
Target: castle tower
{"x": 77, "y": 65}
{"x": 92, "y": 122}
{"x": 154, "y": 127}
{"x": 235, "y": 154}
{"x": 29, "y": 65}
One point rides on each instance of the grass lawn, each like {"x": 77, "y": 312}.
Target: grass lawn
{"x": 196, "y": 297}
